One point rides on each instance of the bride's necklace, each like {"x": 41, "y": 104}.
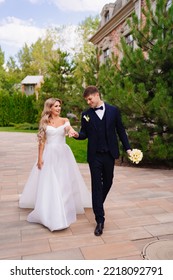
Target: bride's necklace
{"x": 53, "y": 120}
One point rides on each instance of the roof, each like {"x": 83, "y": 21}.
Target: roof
{"x": 120, "y": 13}
{"x": 118, "y": 5}
{"x": 32, "y": 80}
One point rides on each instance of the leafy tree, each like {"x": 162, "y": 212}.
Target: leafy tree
{"x": 13, "y": 76}
{"x": 8, "y": 76}
{"x": 42, "y": 52}
{"x": 2, "y": 71}
{"x": 34, "y": 59}
{"x": 86, "y": 59}
{"x": 17, "y": 108}
{"x": 25, "y": 58}
{"x": 5, "y": 109}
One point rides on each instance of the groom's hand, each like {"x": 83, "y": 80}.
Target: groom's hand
{"x": 129, "y": 152}
{"x": 75, "y": 134}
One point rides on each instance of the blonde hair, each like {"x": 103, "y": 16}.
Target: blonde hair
{"x": 45, "y": 118}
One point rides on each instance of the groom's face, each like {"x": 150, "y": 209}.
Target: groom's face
{"x": 93, "y": 100}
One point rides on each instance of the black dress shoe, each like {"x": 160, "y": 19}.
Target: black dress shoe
{"x": 99, "y": 229}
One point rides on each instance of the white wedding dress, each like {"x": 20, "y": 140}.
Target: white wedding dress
{"x": 57, "y": 192}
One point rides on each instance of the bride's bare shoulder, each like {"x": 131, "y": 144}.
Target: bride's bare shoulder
{"x": 64, "y": 120}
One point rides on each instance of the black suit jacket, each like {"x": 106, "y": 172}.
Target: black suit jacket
{"x": 114, "y": 127}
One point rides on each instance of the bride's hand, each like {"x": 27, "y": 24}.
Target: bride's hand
{"x": 40, "y": 164}
{"x": 71, "y": 132}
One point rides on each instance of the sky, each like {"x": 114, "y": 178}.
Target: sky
{"x": 24, "y": 21}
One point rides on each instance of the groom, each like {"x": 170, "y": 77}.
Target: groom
{"x": 101, "y": 124}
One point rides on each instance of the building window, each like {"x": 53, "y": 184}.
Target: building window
{"x": 106, "y": 16}
{"x": 106, "y": 54}
{"x": 31, "y": 88}
{"x": 129, "y": 40}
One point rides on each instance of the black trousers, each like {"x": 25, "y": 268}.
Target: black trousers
{"x": 102, "y": 172}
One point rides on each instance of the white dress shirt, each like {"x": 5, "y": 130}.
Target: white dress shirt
{"x": 100, "y": 113}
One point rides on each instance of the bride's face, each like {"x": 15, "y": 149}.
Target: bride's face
{"x": 56, "y": 109}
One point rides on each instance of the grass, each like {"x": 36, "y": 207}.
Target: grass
{"x": 78, "y": 148}
{"x": 13, "y": 129}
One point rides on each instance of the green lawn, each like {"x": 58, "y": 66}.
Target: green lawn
{"x": 13, "y": 129}
{"x": 78, "y": 147}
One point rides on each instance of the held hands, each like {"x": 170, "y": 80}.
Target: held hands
{"x": 73, "y": 133}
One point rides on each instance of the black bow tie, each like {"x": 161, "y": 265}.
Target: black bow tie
{"x": 98, "y": 108}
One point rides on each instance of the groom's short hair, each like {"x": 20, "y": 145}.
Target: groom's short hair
{"x": 90, "y": 90}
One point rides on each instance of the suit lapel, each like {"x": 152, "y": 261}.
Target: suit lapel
{"x": 107, "y": 114}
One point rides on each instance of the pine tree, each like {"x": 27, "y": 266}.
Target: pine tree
{"x": 142, "y": 85}
{"x": 59, "y": 80}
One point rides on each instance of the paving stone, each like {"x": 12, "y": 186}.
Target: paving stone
{"x": 74, "y": 241}
{"x": 69, "y": 254}
{"x": 24, "y": 248}
{"x": 138, "y": 210}
{"x": 109, "y": 251}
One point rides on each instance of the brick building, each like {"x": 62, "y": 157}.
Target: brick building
{"x": 113, "y": 26}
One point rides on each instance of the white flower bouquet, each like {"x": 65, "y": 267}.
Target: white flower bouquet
{"x": 136, "y": 156}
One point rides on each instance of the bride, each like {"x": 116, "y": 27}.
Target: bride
{"x": 55, "y": 188}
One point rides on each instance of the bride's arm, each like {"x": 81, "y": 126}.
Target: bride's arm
{"x": 69, "y": 130}
{"x": 40, "y": 154}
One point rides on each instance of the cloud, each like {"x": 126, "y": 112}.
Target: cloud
{"x": 80, "y": 5}
{"x": 15, "y": 32}
{"x": 36, "y": 1}
{"x": 76, "y": 5}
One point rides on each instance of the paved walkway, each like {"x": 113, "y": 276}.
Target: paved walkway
{"x": 139, "y": 210}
